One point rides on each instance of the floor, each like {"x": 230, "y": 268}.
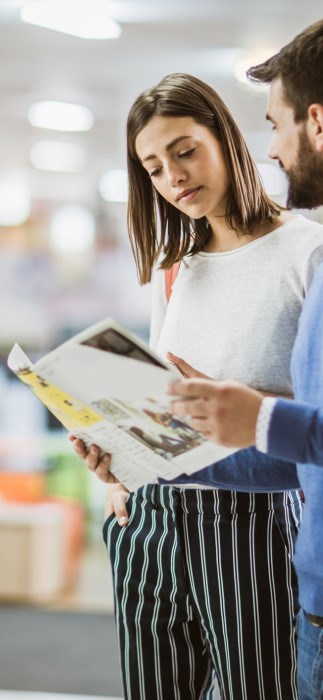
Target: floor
{"x": 13, "y": 695}
{"x": 92, "y": 592}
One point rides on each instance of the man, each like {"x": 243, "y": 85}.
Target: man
{"x": 236, "y": 415}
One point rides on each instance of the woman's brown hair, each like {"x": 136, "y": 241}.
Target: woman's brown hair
{"x": 175, "y": 234}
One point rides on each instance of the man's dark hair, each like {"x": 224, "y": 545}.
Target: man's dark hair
{"x": 299, "y": 65}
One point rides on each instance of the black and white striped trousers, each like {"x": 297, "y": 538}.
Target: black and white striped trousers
{"x": 203, "y": 583}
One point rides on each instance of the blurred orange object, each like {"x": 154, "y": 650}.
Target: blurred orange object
{"x": 22, "y": 487}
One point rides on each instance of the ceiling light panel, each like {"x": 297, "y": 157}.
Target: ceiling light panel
{"x": 113, "y": 186}
{"x": 87, "y": 19}
{"x": 60, "y": 116}
{"x": 15, "y": 201}
{"x": 72, "y": 229}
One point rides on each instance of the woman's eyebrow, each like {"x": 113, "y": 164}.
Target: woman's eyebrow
{"x": 168, "y": 147}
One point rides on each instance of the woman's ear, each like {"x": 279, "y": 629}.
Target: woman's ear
{"x": 315, "y": 123}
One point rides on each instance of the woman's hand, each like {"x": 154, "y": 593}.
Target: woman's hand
{"x": 186, "y": 370}
{"x": 115, "y": 502}
{"x": 117, "y": 493}
{"x": 99, "y": 465}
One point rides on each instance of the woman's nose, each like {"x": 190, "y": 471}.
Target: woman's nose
{"x": 175, "y": 175}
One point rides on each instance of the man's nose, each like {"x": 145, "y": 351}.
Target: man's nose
{"x": 272, "y": 150}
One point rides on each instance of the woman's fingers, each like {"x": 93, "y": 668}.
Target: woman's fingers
{"x": 184, "y": 367}
{"x": 78, "y": 446}
{"x": 116, "y": 497}
{"x": 93, "y": 457}
{"x": 99, "y": 465}
{"x": 102, "y": 471}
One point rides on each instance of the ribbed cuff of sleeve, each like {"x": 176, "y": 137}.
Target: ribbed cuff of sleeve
{"x": 263, "y": 423}
{"x": 294, "y": 432}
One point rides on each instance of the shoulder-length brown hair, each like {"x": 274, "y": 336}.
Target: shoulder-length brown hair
{"x": 173, "y": 233}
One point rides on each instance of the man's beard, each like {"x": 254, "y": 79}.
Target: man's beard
{"x": 305, "y": 178}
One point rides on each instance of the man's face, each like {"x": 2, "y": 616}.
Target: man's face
{"x": 290, "y": 145}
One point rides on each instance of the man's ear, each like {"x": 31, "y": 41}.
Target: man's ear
{"x": 315, "y": 125}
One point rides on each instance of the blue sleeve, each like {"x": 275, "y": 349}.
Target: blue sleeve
{"x": 296, "y": 432}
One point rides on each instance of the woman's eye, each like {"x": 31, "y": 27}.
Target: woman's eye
{"x": 187, "y": 154}
{"x": 154, "y": 172}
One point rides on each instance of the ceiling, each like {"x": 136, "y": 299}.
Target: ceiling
{"x": 203, "y": 37}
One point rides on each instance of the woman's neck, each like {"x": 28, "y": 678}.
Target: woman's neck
{"x": 223, "y": 239}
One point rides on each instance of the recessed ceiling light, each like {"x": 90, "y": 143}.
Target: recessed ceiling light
{"x": 113, "y": 186}
{"x": 88, "y": 19}
{"x": 60, "y": 116}
{"x": 72, "y": 229}
{"x": 57, "y": 156}
{"x": 14, "y": 199}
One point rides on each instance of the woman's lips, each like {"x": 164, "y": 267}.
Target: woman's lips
{"x": 187, "y": 195}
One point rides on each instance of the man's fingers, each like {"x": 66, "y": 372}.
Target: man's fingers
{"x": 201, "y": 388}
{"x": 201, "y": 425}
{"x": 196, "y": 408}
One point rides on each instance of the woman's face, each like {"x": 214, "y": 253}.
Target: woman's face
{"x": 186, "y": 164}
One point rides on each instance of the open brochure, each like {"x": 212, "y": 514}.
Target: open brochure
{"x": 109, "y": 389}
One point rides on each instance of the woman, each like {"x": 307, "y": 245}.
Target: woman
{"x": 203, "y": 578}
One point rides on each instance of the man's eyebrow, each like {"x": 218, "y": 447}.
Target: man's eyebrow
{"x": 269, "y": 118}
{"x": 168, "y": 147}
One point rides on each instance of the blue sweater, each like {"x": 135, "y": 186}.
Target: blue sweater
{"x": 296, "y": 432}
{"x": 246, "y": 470}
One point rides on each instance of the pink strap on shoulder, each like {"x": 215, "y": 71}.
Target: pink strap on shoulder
{"x": 170, "y": 277}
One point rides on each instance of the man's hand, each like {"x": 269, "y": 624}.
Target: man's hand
{"x": 225, "y": 412}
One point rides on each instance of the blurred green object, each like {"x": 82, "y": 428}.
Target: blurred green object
{"x": 67, "y": 477}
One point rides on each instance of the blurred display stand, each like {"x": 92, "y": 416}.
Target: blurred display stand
{"x": 32, "y": 551}
{"x": 41, "y": 539}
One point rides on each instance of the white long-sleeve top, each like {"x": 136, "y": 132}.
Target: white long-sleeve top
{"x": 234, "y": 315}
